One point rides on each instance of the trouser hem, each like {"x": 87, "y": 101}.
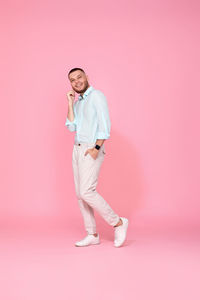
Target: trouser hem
{"x": 115, "y": 223}
{"x": 91, "y": 230}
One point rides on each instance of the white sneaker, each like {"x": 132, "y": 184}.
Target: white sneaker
{"x": 90, "y": 239}
{"x": 120, "y": 232}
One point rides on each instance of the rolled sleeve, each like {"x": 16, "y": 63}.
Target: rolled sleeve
{"x": 71, "y": 125}
{"x": 104, "y": 124}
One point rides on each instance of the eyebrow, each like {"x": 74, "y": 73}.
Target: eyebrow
{"x": 74, "y": 78}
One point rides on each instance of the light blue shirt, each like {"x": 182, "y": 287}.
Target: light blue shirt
{"x": 91, "y": 117}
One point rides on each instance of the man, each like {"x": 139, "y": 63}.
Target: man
{"x": 89, "y": 118}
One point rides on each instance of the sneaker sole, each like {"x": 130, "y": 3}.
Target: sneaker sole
{"x": 88, "y": 244}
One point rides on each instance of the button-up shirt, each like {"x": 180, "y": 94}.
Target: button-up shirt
{"x": 91, "y": 117}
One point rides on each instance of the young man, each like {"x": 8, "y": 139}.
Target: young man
{"x": 89, "y": 118}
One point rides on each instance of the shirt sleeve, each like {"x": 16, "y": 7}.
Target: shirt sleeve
{"x": 72, "y": 125}
{"x": 103, "y": 118}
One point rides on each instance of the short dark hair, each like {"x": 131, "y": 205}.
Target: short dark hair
{"x": 75, "y": 69}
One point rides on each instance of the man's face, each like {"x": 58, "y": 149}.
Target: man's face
{"x": 79, "y": 81}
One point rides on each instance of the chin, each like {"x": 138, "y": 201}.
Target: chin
{"x": 83, "y": 90}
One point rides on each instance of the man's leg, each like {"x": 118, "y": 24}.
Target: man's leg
{"x": 86, "y": 211}
{"x": 89, "y": 169}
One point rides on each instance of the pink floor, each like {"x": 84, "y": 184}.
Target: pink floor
{"x": 45, "y": 264}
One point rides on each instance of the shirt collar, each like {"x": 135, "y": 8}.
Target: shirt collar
{"x": 86, "y": 93}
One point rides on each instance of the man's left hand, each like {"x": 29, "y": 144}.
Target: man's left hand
{"x": 93, "y": 152}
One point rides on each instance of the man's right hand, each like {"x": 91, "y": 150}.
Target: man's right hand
{"x": 71, "y": 97}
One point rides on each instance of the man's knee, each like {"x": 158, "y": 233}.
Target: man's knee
{"x": 86, "y": 193}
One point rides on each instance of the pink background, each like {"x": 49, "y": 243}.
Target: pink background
{"x": 144, "y": 56}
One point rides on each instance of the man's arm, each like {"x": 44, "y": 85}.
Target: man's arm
{"x": 99, "y": 142}
{"x": 70, "y": 114}
{"x": 104, "y": 124}
{"x": 71, "y": 118}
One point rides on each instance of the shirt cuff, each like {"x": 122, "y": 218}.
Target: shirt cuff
{"x": 102, "y": 136}
{"x": 68, "y": 122}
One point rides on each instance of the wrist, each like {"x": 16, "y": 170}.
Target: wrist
{"x": 97, "y": 147}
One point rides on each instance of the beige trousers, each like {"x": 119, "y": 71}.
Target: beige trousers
{"x": 86, "y": 170}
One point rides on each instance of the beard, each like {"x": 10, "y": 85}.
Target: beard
{"x": 83, "y": 89}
